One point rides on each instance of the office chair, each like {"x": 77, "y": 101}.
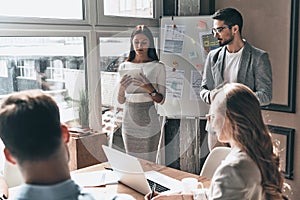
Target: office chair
{"x": 213, "y": 160}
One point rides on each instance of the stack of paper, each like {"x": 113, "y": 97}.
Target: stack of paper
{"x": 97, "y": 178}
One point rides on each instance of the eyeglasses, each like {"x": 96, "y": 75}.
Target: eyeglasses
{"x": 219, "y": 29}
{"x": 210, "y": 117}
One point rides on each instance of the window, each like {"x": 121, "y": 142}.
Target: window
{"x": 128, "y": 12}
{"x": 129, "y": 8}
{"x": 113, "y": 51}
{"x": 53, "y": 64}
{"x": 60, "y": 9}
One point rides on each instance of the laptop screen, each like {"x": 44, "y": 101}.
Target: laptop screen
{"x": 130, "y": 172}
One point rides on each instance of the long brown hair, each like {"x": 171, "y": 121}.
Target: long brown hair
{"x": 142, "y": 29}
{"x": 252, "y": 135}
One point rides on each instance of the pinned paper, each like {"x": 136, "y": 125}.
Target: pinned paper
{"x": 193, "y": 55}
{"x": 173, "y": 38}
{"x": 174, "y": 83}
{"x": 202, "y": 24}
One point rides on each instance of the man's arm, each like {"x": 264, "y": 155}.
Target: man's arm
{"x": 206, "y": 80}
{"x": 263, "y": 80}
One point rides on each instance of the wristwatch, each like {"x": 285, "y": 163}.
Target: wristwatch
{"x": 154, "y": 93}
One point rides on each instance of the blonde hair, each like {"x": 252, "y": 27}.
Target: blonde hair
{"x": 241, "y": 107}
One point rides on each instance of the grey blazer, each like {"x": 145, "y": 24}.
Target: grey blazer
{"x": 255, "y": 71}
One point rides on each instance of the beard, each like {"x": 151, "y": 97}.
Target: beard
{"x": 225, "y": 42}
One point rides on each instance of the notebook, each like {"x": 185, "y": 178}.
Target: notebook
{"x": 131, "y": 174}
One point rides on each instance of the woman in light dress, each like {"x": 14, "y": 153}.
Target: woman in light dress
{"x": 141, "y": 87}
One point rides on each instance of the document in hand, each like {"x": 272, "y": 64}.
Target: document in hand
{"x": 133, "y": 73}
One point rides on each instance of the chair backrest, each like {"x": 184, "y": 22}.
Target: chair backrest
{"x": 213, "y": 160}
{"x": 12, "y": 175}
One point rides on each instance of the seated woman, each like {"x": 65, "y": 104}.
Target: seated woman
{"x": 251, "y": 170}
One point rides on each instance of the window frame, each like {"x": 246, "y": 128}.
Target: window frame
{"x": 92, "y": 78}
{"x": 86, "y": 8}
{"x": 128, "y": 21}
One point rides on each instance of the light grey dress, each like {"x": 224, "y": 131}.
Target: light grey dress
{"x": 141, "y": 130}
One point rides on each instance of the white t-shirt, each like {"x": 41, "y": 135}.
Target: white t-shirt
{"x": 232, "y": 64}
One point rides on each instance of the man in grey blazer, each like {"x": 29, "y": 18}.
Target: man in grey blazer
{"x": 253, "y": 67}
{"x": 235, "y": 61}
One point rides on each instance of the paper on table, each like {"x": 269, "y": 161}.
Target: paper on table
{"x": 97, "y": 178}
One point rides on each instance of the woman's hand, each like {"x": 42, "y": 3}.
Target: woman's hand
{"x": 158, "y": 196}
{"x": 125, "y": 82}
{"x": 148, "y": 196}
{"x": 144, "y": 83}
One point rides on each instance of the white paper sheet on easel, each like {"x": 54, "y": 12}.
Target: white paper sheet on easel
{"x": 174, "y": 38}
{"x": 97, "y": 178}
{"x": 196, "y": 79}
{"x": 174, "y": 83}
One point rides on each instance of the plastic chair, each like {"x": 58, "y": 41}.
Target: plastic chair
{"x": 213, "y": 160}
{"x": 12, "y": 175}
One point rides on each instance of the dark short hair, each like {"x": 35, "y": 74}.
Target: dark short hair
{"x": 142, "y": 29}
{"x": 30, "y": 125}
{"x": 230, "y": 16}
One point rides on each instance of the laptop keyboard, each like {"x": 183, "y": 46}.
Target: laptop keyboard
{"x": 159, "y": 188}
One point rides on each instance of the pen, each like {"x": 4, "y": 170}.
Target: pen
{"x": 108, "y": 168}
{"x": 152, "y": 190}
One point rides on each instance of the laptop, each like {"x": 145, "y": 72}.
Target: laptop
{"x": 131, "y": 174}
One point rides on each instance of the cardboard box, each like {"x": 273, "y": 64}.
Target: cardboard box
{"x": 86, "y": 150}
